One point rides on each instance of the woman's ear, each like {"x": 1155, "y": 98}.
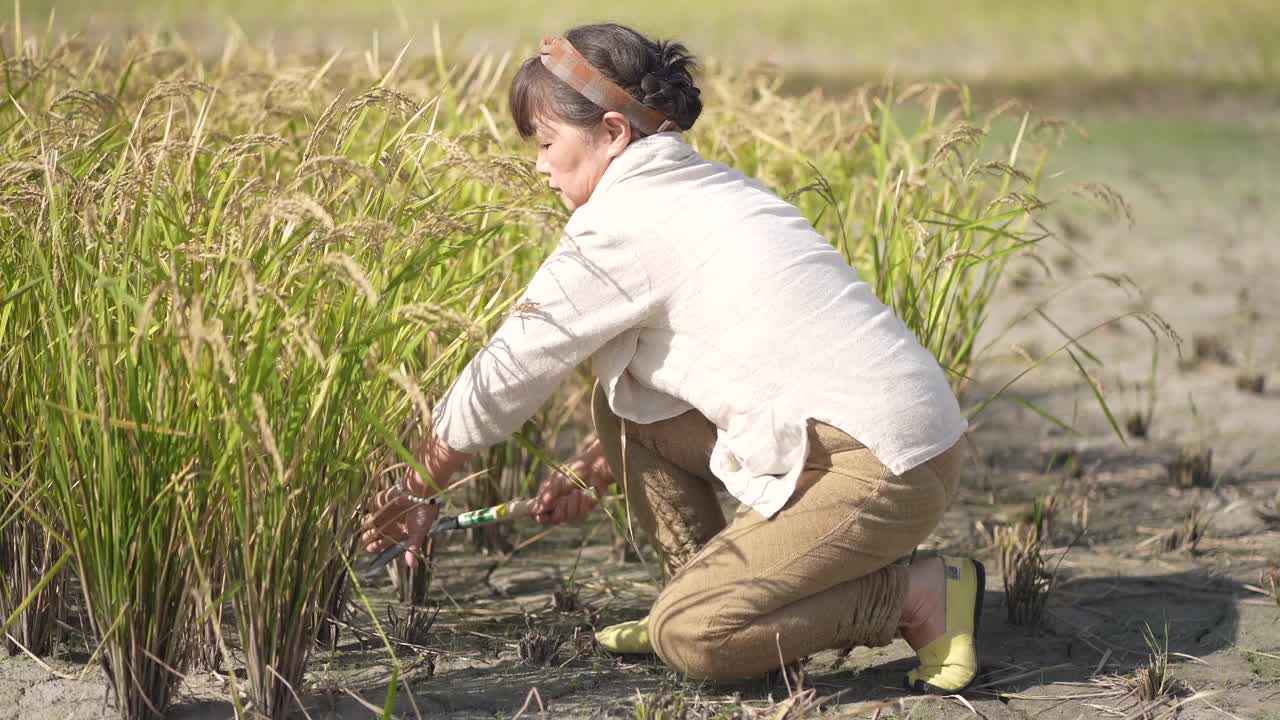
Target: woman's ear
{"x": 619, "y": 130}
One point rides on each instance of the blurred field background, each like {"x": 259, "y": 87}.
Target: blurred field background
{"x": 1103, "y": 46}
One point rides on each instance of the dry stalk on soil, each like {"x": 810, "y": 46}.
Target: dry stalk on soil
{"x": 1187, "y": 536}
{"x": 1251, "y": 383}
{"x": 1192, "y": 467}
{"x": 1027, "y": 580}
{"x": 414, "y": 626}
{"x": 1207, "y": 349}
{"x": 1270, "y": 511}
{"x": 1154, "y": 691}
{"x": 538, "y": 647}
{"x": 565, "y": 601}
{"x": 802, "y": 704}
{"x": 1269, "y": 583}
{"x": 1137, "y": 425}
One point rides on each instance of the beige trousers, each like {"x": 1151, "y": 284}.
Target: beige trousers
{"x": 760, "y": 593}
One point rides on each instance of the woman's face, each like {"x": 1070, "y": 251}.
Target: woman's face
{"x": 574, "y": 159}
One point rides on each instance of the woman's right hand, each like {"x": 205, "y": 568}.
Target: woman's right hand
{"x": 561, "y": 499}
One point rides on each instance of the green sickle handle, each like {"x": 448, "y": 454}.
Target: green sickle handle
{"x": 474, "y": 518}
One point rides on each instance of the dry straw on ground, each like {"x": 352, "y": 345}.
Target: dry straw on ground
{"x": 1028, "y": 581}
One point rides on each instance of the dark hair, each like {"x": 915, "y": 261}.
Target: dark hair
{"x": 658, "y": 74}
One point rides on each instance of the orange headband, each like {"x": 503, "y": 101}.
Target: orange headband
{"x": 565, "y": 62}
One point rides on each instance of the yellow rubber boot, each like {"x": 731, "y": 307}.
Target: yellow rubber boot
{"x": 950, "y": 663}
{"x": 628, "y": 638}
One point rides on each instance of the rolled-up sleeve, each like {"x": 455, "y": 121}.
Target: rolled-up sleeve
{"x": 591, "y": 289}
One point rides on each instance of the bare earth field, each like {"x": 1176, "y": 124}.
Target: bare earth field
{"x": 1203, "y": 253}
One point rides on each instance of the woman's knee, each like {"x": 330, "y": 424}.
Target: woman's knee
{"x": 689, "y": 639}
{"x": 684, "y": 645}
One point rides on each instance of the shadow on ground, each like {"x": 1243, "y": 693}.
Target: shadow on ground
{"x": 1095, "y": 626}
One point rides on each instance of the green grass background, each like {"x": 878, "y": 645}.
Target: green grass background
{"x": 1176, "y": 44}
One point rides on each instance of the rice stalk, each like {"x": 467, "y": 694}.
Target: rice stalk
{"x": 33, "y": 583}
{"x": 1269, "y": 579}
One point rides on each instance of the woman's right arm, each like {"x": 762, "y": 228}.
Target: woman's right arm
{"x": 589, "y": 291}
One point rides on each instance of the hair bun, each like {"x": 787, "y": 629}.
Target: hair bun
{"x": 668, "y": 86}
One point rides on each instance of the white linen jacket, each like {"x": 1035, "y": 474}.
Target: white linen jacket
{"x": 689, "y": 285}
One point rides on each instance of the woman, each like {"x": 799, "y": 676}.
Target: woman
{"x": 733, "y": 346}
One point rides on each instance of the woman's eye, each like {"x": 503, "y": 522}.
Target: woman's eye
{"x": 544, "y": 146}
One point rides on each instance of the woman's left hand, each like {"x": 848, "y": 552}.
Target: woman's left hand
{"x": 562, "y": 498}
{"x": 394, "y": 518}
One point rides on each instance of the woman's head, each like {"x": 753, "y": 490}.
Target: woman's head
{"x": 577, "y": 138}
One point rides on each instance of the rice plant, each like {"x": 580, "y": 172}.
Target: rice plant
{"x": 1042, "y": 515}
{"x": 33, "y": 582}
{"x": 215, "y": 372}
{"x": 124, "y": 481}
